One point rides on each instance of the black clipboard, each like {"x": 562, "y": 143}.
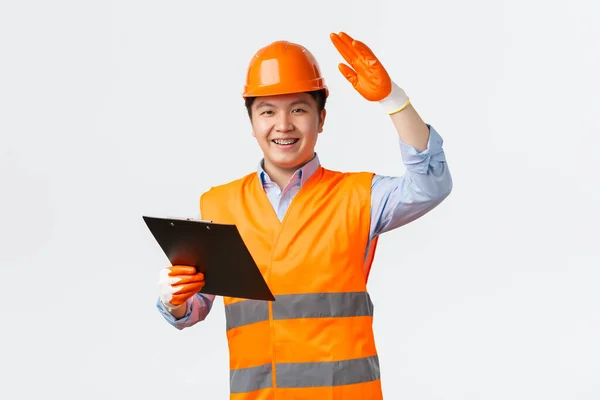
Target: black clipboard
{"x": 216, "y": 250}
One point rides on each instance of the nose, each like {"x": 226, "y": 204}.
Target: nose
{"x": 284, "y": 123}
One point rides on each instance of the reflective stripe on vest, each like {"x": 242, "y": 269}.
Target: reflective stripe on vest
{"x": 308, "y": 374}
{"x": 311, "y": 305}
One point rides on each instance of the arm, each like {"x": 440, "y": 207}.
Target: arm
{"x": 192, "y": 311}
{"x": 397, "y": 201}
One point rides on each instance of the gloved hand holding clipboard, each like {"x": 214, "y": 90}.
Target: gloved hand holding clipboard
{"x": 216, "y": 250}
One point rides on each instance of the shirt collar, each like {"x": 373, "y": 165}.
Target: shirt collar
{"x": 302, "y": 174}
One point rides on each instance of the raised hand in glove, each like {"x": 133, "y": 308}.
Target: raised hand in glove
{"x": 367, "y": 75}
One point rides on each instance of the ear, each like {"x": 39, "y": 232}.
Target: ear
{"x": 322, "y": 120}
{"x": 251, "y": 123}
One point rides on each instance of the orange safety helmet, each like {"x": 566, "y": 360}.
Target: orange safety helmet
{"x": 283, "y": 67}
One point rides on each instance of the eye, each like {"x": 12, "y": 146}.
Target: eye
{"x": 266, "y": 112}
{"x": 299, "y": 110}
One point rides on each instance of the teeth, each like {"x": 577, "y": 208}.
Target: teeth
{"x": 286, "y": 141}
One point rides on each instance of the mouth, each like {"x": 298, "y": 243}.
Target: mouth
{"x": 285, "y": 142}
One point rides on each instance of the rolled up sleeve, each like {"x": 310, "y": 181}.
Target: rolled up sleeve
{"x": 398, "y": 200}
{"x": 430, "y": 158}
{"x": 198, "y": 307}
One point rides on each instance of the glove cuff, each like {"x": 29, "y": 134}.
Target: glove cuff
{"x": 396, "y": 101}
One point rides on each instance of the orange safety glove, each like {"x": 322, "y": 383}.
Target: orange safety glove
{"x": 177, "y": 284}
{"x": 367, "y": 75}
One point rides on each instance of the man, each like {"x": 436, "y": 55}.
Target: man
{"x": 312, "y": 231}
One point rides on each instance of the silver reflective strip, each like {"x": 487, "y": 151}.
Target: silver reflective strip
{"x": 318, "y": 305}
{"x": 250, "y": 379}
{"x": 308, "y": 374}
{"x": 332, "y": 373}
{"x": 246, "y": 312}
{"x": 309, "y": 305}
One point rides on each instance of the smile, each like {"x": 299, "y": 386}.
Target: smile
{"x": 285, "y": 141}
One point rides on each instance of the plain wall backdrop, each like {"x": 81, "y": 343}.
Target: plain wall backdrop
{"x": 114, "y": 110}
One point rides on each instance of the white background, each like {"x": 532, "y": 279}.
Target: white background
{"x": 113, "y": 110}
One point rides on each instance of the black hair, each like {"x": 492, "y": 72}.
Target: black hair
{"x": 319, "y": 96}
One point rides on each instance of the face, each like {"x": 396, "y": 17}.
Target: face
{"x": 286, "y": 128}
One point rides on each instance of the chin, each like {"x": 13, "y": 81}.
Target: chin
{"x": 287, "y": 163}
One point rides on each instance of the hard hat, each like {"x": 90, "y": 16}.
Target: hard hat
{"x": 283, "y": 67}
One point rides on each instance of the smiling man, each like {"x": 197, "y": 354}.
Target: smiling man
{"x": 286, "y": 128}
{"x": 312, "y": 231}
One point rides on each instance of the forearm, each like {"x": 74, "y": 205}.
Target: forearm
{"x": 411, "y": 129}
{"x": 179, "y": 312}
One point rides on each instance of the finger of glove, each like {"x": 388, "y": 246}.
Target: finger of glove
{"x": 364, "y": 51}
{"x": 363, "y": 57}
{"x": 358, "y": 47}
{"x": 181, "y": 270}
{"x": 188, "y": 288}
{"x": 343, "y": 48}
{"x": 178, "y": 295}
{"x": 346, "y": 38}
{"x": 179, "y": 299}
{"x": 185, "y": 279}
{"x": 349, "y": 74}
{"x": 361, "y": 52}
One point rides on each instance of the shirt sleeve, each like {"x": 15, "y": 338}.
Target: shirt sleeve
{"x": 398, "y": 200}
{"x": 198, "y": 307}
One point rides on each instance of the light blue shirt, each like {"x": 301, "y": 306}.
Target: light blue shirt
{"x": 395, "y": 201}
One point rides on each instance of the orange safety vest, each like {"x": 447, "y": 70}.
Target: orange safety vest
{"x": 316, "y": 340}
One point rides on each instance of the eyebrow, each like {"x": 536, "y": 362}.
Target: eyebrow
{"x": 266, "y": 104}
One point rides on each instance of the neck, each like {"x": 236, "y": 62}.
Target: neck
{"x": 281, "y": 175}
